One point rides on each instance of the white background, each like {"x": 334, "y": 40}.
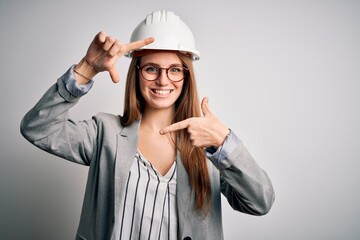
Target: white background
{"x": 284, "y": 75}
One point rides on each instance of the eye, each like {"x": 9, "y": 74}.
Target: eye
{"x": 176, "y": 70}
{"x": 151, "y": 69}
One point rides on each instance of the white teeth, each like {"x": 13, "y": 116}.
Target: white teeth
{"x": 162, "y": 92}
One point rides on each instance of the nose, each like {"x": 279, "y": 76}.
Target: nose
{"x": 163, "y": 78}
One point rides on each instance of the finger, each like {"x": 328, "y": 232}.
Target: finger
{"x": 114, "y": 75}
{"x": 101, "y": 36}
{"x": 205, "y": 106}
{"x": 108, "y": 43}
{"x": 115, "y": 48}
{"x": 175, "y": 127}
{"x": 138, "y": 44}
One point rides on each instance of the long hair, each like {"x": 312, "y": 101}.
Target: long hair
{"x": 186, "y": 106}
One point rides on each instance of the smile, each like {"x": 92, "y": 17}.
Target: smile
{"x": 162, "y": 92}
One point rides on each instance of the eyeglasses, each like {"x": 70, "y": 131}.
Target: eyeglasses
{"x": 152, "y": 72}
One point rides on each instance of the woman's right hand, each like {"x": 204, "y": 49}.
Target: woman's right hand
{"x": 102, "y": 55}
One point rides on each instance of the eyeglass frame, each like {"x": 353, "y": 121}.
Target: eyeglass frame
{"x": 160, "y": 71}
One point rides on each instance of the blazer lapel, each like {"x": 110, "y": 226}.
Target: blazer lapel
{"x": 183, "y": 196}
{"x": 127, "y": 142}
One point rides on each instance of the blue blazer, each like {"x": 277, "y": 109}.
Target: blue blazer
{"x": 108, "y": 148}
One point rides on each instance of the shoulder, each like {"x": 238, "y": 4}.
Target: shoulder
{"x": 111, "y": 124}
{"x": 108, "y": 121}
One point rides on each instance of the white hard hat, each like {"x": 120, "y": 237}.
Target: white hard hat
{"x": 169, "y": 31}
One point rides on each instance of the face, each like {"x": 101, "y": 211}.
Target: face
{"x": 161, "y": 93}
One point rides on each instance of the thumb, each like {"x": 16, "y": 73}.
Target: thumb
{"x": 205, "y": 106}
{"x": 114, "y": 75}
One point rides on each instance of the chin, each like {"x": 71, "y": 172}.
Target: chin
{"x": 161, "y": 104}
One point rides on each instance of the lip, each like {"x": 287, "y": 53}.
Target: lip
{"x": 161, "y": 92}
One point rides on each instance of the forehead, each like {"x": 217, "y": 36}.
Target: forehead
{"x": 161, "y": 58}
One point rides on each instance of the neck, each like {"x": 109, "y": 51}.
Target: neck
{"x": 157, "y": 119}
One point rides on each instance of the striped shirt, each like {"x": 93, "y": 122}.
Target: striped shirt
{"x": 149, "y": 207}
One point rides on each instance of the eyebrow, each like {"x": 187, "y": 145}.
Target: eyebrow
{"x": 157, "y": 65}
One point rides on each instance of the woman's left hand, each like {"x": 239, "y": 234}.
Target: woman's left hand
{"x": 205, "y": 131}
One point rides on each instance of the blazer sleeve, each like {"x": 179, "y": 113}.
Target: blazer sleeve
{"x": 245, "y": 185}
{"x": 48, "y": 126}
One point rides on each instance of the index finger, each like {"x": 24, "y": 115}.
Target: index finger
{"x": 175, "y": 127}
{"x": 101, "y": 36}
{"x": 139, "y": 44}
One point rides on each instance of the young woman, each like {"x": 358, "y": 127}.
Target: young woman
{"x": 157, "y": 171}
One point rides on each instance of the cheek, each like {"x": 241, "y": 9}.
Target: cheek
{"x": 179, "y": 85}
{"x": 142, "y": 84}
